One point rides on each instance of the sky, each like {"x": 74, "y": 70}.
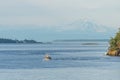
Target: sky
{"x": 28, "y": 18}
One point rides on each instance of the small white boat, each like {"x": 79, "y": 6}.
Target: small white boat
{"x": 47, "y": 57}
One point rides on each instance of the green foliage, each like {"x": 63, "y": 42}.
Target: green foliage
{"x": 115, "y": 41}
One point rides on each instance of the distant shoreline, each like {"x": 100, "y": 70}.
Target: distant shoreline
{"x": 26, "y": 41}
{"x": 83, "y": 40}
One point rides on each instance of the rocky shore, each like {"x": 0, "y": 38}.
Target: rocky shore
{"x": 113, "y": 52}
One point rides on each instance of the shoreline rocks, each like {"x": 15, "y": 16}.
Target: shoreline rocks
{"x": 114, "y": 48}
{"x": 113, "y": 52}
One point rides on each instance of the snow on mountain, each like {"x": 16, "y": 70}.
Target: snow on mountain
{"x": 86, "y": 29}
{"x": 86, "y": 26}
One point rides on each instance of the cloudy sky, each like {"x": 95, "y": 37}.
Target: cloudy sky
{"x": 40, "y": 13}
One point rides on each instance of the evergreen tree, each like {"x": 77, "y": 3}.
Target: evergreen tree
{"x": 115, "y": 41}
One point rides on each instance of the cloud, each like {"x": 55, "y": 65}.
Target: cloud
{"x": 73, "y": 3}
{"x": 56, "y": 12}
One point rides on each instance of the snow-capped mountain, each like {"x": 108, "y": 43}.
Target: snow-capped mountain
{"x": 87, "y": 29}
{"x": 80, "y": 29}
{"x": 86, "y": 26}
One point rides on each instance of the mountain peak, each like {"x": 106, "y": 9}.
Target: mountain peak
{"x": 85, "y": 26}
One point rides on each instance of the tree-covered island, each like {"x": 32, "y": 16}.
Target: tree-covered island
{"x": 114, "y": 48}
{"x": 3, "y": 40}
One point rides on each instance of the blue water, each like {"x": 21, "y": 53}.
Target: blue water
{"x": 65, "y": 54}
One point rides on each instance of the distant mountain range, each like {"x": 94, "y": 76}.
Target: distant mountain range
{"x": 80, "y": 29}
{"x": 86, "y": 26}
{"x": 78, "y": 40}
{"x": 88, "y": 29}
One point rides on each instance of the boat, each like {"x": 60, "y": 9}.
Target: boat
{"x": 47, "y": 57}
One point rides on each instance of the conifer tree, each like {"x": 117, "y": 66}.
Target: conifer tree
{"x": 115, "y": 41}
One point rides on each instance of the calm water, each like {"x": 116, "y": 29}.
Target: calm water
{"x": 65, "y": 54}
{"x": 71, "y": 60}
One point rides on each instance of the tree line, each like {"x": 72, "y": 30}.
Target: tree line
{"x": 3, "y": 40}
